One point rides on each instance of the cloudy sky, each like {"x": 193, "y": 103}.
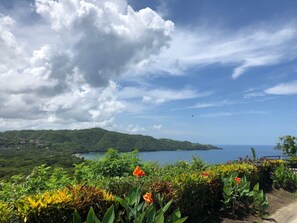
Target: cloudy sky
{"x": 209, "y": 71}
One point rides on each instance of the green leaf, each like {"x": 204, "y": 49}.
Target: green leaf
{"x": 150, "y": 214}
{"x": 159, "y": 218}
{"x": 227, "y": 191}
{"x": 180, "y": 220}
{"x": 134, "y": 196}
{"x": 76, "y": 217}
{"x": 109, "y": 215}
{"x": 165, "y": 208}
{"x": 256, "y": 187}
{"x": 139, "y": 207}
{"x": 175, "y": 216}
{"x": 140, "y": 218}
{"x": 92, "y": 218}
{"x": 123, "y": 203}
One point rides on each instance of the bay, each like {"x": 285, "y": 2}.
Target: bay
{"x": 227, "y": 153}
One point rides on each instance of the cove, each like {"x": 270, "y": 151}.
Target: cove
{"x": 228, "y": 153}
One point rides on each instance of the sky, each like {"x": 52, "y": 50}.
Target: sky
{"x": 207, "y": 71}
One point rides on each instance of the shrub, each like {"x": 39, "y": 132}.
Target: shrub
{"x": 266, "y": 170}
{"x": 238, "y": 197}
{"x": 114, "y": 164}
{"x": 48, "y": 207}
{"x": 117, "y": 185}
{"x": 143, "y": 210}
{"x": 284, "y": 178}
{"x": 58, "y": 205}
{"x": 260, "y": 202}
{"x": 84, "y": 197}
{"x": 248, "y": 170}
{"x": 236, "y": 194}
{"x": 197, "y": 194}
{"x": 6, "y": 212}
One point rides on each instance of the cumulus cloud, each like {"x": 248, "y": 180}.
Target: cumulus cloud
{"x": 71, "y": 81}
{"x": 135, "y": 129}
{"x": 11, "y": 53}
{"x": 283, "y": 89}
{"x": 157, "y": 127}
{"x": 107, "y": 37}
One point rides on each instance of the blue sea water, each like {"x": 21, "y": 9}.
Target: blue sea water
{"x": 228, "y": 153}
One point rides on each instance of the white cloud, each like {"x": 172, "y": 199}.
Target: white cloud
{"x": 213, "y": 104}
{"x": 283, "y": 89}
{"x": 12, "y": 55}
{"x": 157, "y": 127}
{"x": 253, "y": 95}
{"x": 120, "y": 36}
{"x": 159, "y": 96}
{"x": 69, "y": 79}
{"x": 225, "y": 114}
{"x": 135, "y": 129}
{"x": 243, "y": 49}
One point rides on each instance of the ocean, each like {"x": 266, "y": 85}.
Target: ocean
{"x": 227, "y": 153}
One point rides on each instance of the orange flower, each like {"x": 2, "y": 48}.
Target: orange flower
{"x": 138, "y": 172}
{"x": 237, "y": 179}
{"x": 148, "y": 197}
{"x": 204, "y": 174}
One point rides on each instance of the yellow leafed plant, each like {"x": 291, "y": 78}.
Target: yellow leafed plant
{"x": 35, "y": 205}
{"x": 6, "y": 212}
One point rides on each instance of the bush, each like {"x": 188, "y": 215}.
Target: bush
{"x": 284, "y": 178}
{"x": 248, "y": 170}
{"x": 238, "y": 196}
{"x": 118, "y": 185}
{"x": 47, "y": 207}
{"x": 114, "y": 164}
{"x": 58, "y": 205}
{"x": 266, "y": 170}
{"x": 197, "y": 195}
{"x": 6, "y": 212}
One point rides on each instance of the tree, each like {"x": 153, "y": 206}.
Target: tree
{"x": 288, "y": 144}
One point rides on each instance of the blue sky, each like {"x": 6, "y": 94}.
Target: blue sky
{"x": 218, "y": 72}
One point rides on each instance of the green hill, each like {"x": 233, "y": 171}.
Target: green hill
{"x": 87, "y": 140}
{"x": 20, "y": 151}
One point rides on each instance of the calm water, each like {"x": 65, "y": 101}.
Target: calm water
{"x": 228, "y": 153}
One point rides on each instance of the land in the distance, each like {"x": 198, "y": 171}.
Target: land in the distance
{"x": 21, "y": 150}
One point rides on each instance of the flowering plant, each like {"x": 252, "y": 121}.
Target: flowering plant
{"x": 148, "y": 197}
{"x": 237, "y": 180}
{"x": 238, "y": 197}
{"x": 138, "y": 172}
{"x": 144, "y": 211}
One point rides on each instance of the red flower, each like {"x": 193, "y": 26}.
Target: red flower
{"x": 138, "y": 172}
{"x": 148, "y": 197}
{"x": 237, "y": 179}
{"x": 204, "y": 174}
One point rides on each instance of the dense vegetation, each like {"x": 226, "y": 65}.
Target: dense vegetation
{"x": 106, "y": 188}
{"x": 91, "y": 140}
{"x": 20, "y": 151}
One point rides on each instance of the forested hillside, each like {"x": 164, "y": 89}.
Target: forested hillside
{"x": 95, "y": 139}
{"x": 20, "y": 151}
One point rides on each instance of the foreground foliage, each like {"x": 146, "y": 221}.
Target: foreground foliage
{"x": 102, "y": 189}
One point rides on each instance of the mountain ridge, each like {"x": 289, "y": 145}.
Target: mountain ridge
{"x": 93, "y": 140}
